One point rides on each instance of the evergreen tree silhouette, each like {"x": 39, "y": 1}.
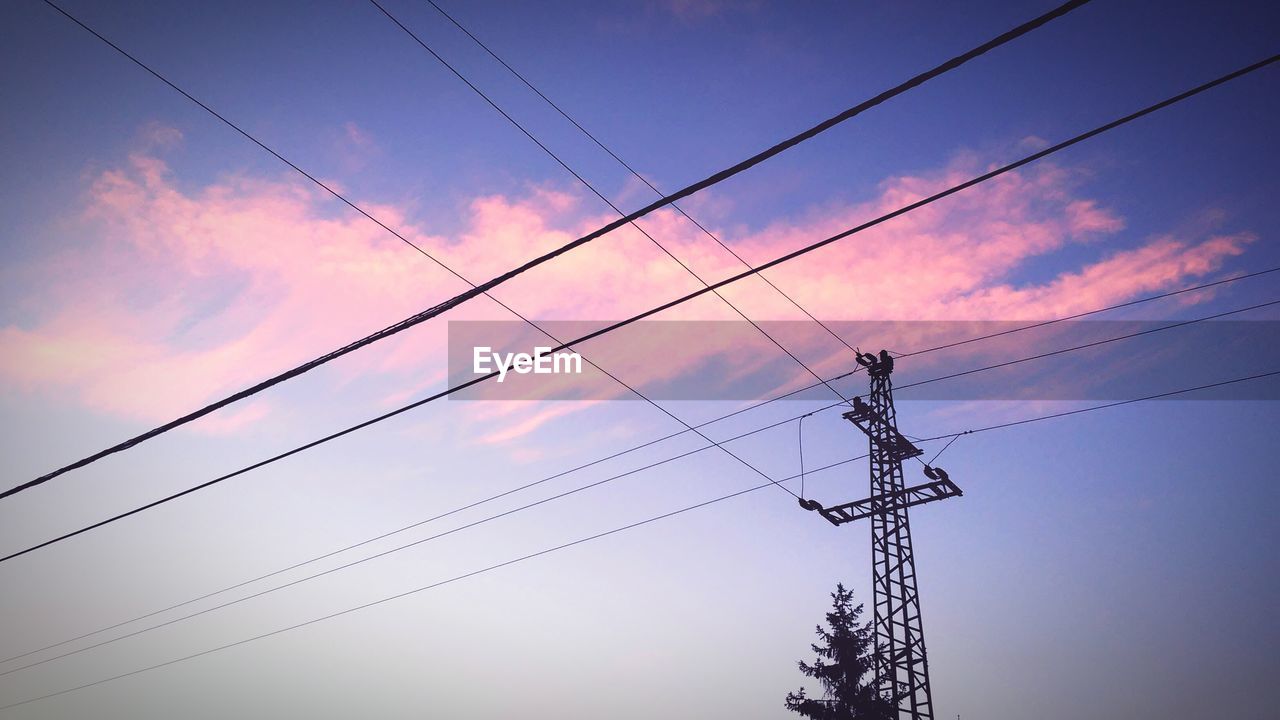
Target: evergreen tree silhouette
{"x": 844, "y": 668}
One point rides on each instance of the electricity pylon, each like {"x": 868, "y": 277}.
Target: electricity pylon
{"x": 901, "y": 663}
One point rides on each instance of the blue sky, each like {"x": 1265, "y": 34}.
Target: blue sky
{"x": 1102, "y": 565}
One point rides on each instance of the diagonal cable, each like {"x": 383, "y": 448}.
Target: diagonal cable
{"x": 592, "y": 137}
{"x": 606, "y": 458}
{"x": 594, "y": 191}
{"x": 597, "y": 536}
{"x": 630, "y": 170}
{"x": 465, "y": 296}
{"x": 697, "y": 293}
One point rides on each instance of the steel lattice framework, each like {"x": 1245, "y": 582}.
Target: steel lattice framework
{"x": 902, "y": 665}
{"x": 901, "y": 662}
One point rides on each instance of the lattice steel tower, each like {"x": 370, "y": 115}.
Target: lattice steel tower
{"x": 898, "y": 628}
{"x": 901, "y": 663}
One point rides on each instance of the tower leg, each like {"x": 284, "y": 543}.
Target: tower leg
{"x": 901, "y": 664}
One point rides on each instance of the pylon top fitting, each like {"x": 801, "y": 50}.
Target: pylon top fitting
{"x": 877, "y": 366}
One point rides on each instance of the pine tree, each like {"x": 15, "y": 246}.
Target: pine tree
{"x": 842, "y": 667}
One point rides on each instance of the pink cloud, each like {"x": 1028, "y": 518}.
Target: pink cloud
{"x": 197, "y": 293}
{"x": 234, "y": 418}
{"x": 156, "y": 136}
{"x": 526, "y": 420}
{"x": 356, "y": 147}
{"x": 357, "y": 136}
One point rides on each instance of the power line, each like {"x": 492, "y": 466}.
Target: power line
{"x": 1117, "y": 403}
{"x": 405, "y": 546}
{"x": 635, "y": 225}
{"x": 1045, "y": 323}
{"x": 1053, "y": 353}
{"x": 590, "y": 187}
{"x": 431, "y": 519}
{"x": 799, "y": 418}
{"x": 630, "y": 169}
{"x": 940, "y": 195}
{"x": 1095, "y": 343}
{"x": 544, "y": 332}
{"x": 501, "y": 304}
{"x": 938, "y": 454}
{"x": 800, "y": 447}
{"x": 978, "y": 338}
{"x": 414, "y": 591}
{"x": 641, "y": 446}
{"x": 698, "y": 293}
{"x": 483, "y": 288}
{"x": 1087, "y": 313}
{"x": 598, "y": 536}
{"x": 594, "y": 191}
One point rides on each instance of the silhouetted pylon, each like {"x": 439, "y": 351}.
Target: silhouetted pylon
{"x": 901, "y": 662}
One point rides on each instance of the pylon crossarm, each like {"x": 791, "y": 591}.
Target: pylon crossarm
{"x": 882, "y": 433}
{"x": 939, "y": 489}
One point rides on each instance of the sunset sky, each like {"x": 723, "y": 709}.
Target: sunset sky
{"x": 1113, "y": 564}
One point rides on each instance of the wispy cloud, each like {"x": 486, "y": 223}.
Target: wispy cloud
{"x": 192, "y": 293}
{"x": 356, "y": 147}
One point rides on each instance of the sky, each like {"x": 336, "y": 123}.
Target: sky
{"x": 1110, "y": 564}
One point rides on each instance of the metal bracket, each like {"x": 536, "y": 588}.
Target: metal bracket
{"x": 940, "y": 488}
{"x": 866, "y": 418}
